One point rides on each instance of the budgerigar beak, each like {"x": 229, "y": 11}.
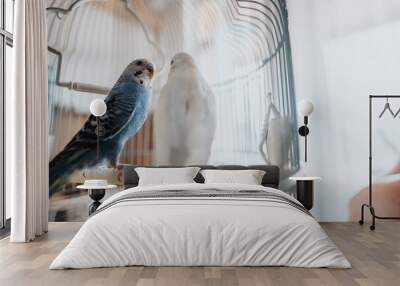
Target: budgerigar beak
{"x": 150, "y": 68}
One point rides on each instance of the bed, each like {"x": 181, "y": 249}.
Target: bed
{"x": 198, "y": 224}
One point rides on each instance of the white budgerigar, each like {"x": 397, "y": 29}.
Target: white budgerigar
{"x": 185, "y": 115}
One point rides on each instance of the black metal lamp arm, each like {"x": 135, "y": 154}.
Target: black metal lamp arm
{"x": 304, "y": 131}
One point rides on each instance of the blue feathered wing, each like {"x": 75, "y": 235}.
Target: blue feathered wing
{"x": 81, "y": 151}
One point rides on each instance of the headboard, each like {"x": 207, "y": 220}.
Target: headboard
{"x": 270, "y": 179}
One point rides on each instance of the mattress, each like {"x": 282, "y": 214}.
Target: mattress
{"x": 201, "y": 225}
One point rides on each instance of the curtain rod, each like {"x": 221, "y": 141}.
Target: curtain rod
{"x": 384, "y": 96}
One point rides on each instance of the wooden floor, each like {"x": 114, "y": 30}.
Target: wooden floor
{"x": 375, "y": 257}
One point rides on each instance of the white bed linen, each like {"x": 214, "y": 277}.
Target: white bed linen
{"x": 224, "y": 232}
{"x": 250, "y": 177}
{"x": 165, "y": 176}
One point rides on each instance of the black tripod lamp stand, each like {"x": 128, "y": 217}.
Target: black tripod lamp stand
{"x": 305, "y": 108}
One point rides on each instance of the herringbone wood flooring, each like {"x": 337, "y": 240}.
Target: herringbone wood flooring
{"x": 375, "y": 257}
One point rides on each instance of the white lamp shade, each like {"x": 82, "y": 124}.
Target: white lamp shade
{"x": 98, "y": 107}
{"x": 305, "y": 107}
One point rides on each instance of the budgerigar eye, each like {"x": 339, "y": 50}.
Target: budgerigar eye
{"x": 139, "y": 63}
{"x": 141, "y": 82}
{"x": 172, "y": 62}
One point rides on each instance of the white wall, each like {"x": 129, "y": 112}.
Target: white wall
{"x": 342, "y": 52}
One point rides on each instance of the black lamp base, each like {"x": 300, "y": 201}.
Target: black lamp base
{"x": 304, "y": 131}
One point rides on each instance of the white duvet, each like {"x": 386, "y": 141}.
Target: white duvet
{"x": 193, "y": 231}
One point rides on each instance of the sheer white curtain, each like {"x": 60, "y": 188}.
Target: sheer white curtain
{"x": 26, "y": 124}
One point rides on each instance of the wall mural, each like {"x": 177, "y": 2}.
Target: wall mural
{"x": 185, "y": 82}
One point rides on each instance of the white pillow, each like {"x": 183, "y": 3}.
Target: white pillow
{"x": 165, "y": 176}
{"x": 248, "y": 177}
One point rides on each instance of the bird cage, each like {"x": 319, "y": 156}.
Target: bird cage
{"x": 241, "y": 48}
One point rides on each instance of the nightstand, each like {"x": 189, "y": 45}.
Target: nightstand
{"x": 305, "y": 190}
{"x": 96, "y": 193}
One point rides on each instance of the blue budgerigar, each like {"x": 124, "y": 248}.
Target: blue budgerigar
{"x": 127, "y": 109}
